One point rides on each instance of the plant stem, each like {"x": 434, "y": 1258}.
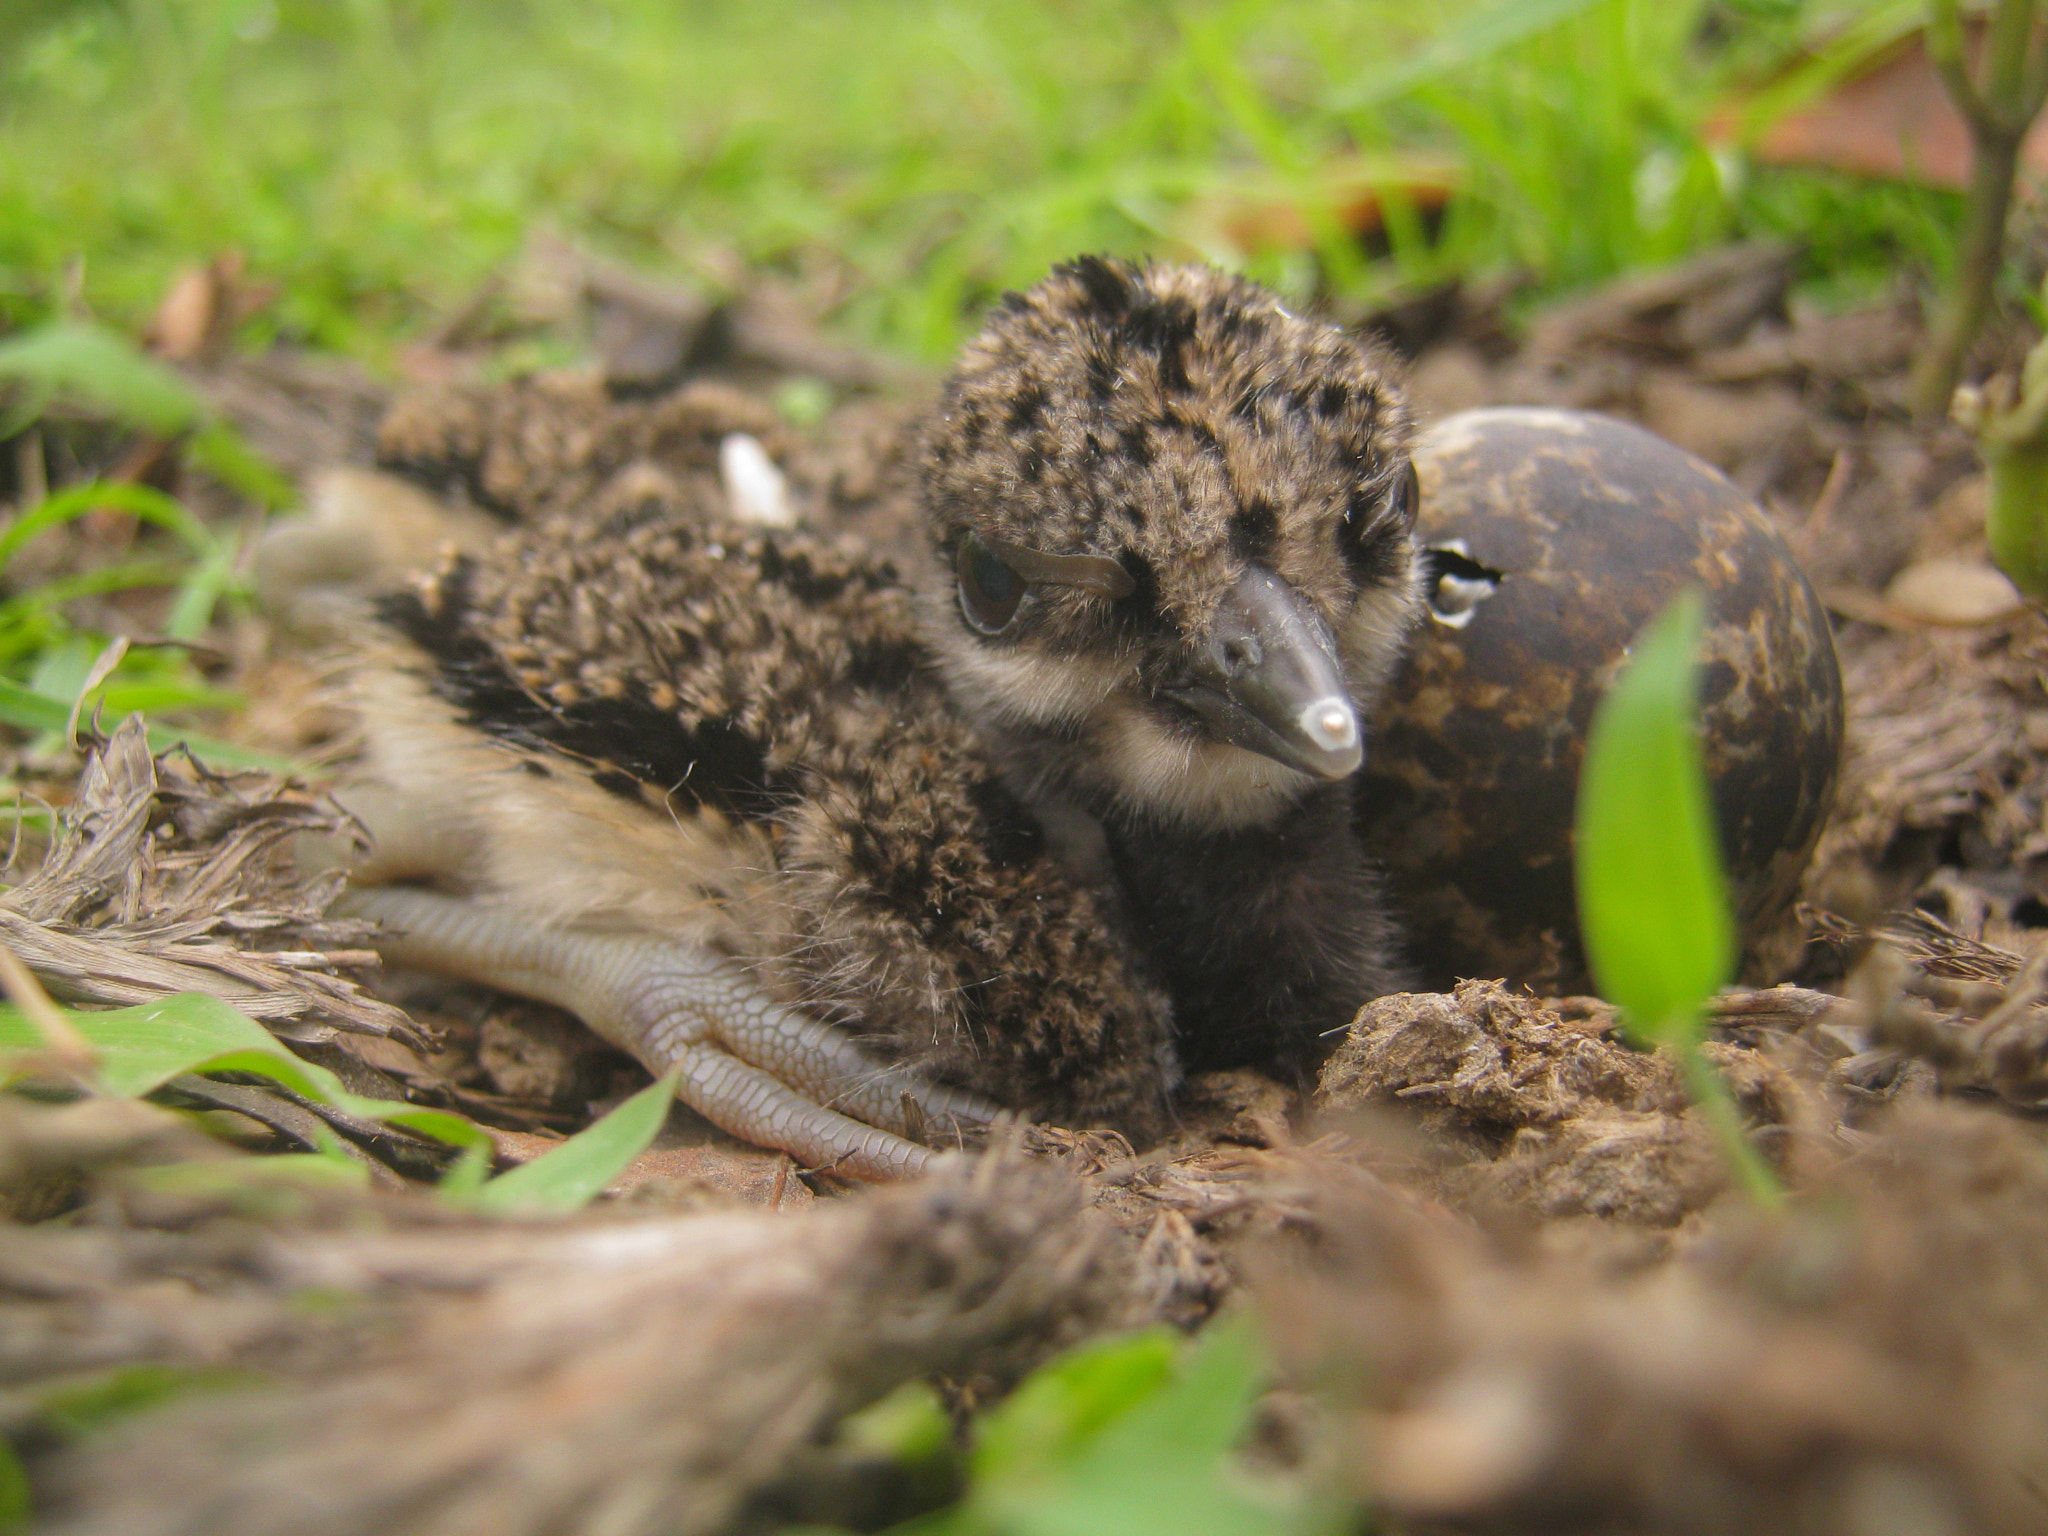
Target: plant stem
{"x": 1710, "y": 1092}
{"x": 2011, "y": 428}
{"x": 1939, "y": 368}
{"x": 1999, "y": 111}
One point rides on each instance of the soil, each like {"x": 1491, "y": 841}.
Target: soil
{"x": 1497, "y": 1245}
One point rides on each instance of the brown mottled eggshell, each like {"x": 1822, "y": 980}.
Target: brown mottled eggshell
{"x": 1472, "y": 766}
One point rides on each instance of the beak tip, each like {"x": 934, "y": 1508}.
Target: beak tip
{"x": 1330, "y": 723}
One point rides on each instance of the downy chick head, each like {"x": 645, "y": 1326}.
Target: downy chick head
{"x": 1173, "y": 532}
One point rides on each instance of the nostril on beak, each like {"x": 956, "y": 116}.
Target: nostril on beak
{"x": 1331, "y": 724}
{"x": 1241, "y": 654}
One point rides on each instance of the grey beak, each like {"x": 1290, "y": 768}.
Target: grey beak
{"x": 1266, "y": 677}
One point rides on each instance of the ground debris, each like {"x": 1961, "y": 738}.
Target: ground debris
{"x": 1508, "y": 1102}
{"x": 1947, "y": 740}
{"x": 624, "y": 1375}
{"x": 1975, "y": 1014}
{"x": 166, "y": 877}
{"x": 1486, "y": 1058}
{"x": 1874, "y": 1358}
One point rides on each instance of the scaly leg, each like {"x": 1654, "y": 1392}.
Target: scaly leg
{"x": 749, "y": 1065}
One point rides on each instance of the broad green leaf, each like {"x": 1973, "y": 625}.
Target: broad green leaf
{"x": 1653, "y": 901}
{"x": 142, "y": 1048}
{"x": 1166, "y": 1466}
{"x": 1131, "y": 1435}
{"x": 573, "y": 1174}
{"x": 1065, "y": 1403}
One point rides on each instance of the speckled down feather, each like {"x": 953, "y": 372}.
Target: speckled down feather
{"x": 770, "y": 683}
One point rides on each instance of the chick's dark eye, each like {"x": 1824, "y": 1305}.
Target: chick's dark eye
{"x": 990, "y": 592}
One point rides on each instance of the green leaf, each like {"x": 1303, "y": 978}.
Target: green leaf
{"x": 33, "y": 711}
{"x": 255, "y": 1182}
{"x": 81, "y": 1407}
{"x": 571, "y": 1175}
{"x": 79, "y": 361}
{"x": 909, "y": 1425}
{"x": 142, "y": 502}
{"x": 1132, "y": 1435}
{"x": 1473, "y": 36}
{"x": 1653, "y": 901}
{"x": 1066, "y": 1403}
{"x": 142, "y": 1048}
{"x": 14, "y": 1502}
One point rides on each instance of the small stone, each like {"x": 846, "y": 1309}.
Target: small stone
{"x": 1951, "y": 589}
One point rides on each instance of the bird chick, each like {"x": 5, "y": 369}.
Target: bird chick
{"x": 1179, "y": 521}
{"x": 859, "y": 858}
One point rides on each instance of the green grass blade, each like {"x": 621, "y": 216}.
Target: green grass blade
{"x": 200, "y": 592}
{"x": 93, "y": 365}
{"x": 1483, "y": 31}
{"x": 573, "y": 1174}
{"x": 1653, "y": 900}
{"x": 1867, "y": 31}
{"x": 142, "y": 502}
{"x": 29, "y": 710}
{"x": 226, "y": 455}
{"x": 113, "y": 1396}
{"x": 121, "y": 697}
{"x": 272, "y": 1173}
{"x": 142, "y": 1048}
{"x": 81, "y": 361}
{"x": 123, "y": 577}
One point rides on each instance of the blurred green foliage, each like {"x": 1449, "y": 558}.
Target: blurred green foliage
{"x": 1138, "y": 1434}
{"x": 137, "y": 1051}
{"x": 377, "y": 159}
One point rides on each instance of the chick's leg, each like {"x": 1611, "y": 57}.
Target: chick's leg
{"x": 749, "y": 1065}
